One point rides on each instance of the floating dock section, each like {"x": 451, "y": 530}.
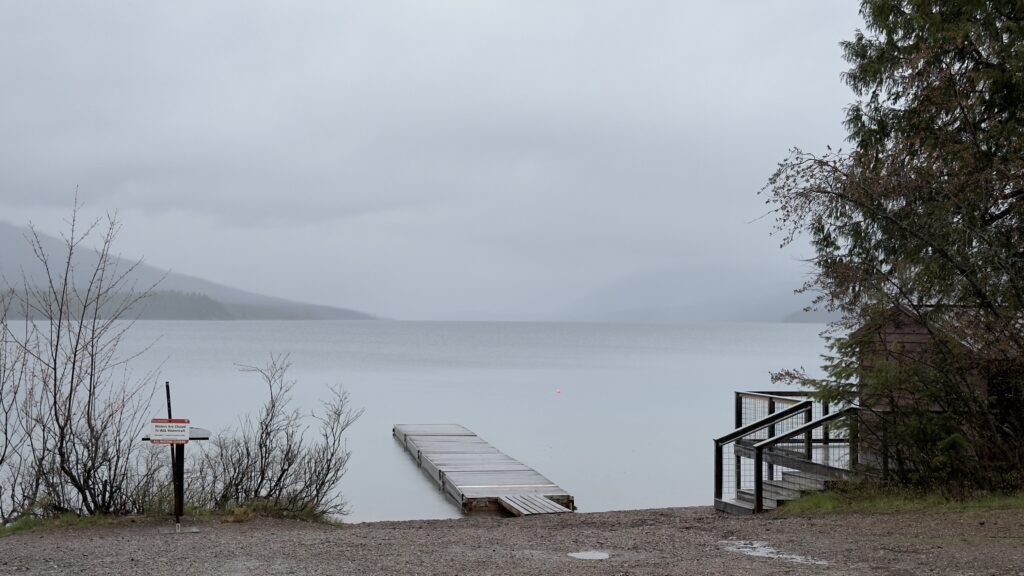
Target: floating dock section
{"x": 476, "y": 475}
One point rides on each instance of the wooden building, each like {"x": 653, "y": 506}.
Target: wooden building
{"x": 937, "y": 362}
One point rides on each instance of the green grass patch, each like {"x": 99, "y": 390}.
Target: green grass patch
{"x": 233, "y": 514}
{"x": 264, "y": 509}
{"x": 33, "y": 523}
{"x": 885, "y": 500}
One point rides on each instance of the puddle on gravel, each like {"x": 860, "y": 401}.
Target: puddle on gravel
{"x": 761, "y": 549}
{"x": 589, "y": 555}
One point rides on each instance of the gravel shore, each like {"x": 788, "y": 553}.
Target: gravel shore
{"x": 669, "y": 541}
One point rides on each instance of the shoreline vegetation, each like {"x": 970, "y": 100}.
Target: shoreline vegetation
{"x": 870, "y": 499}
{"x": 834, "y": 503}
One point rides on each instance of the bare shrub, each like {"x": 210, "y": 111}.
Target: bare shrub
{"x": 283, "y": 461}
{"x": 72, "y": 409}
{"x": 13, "y": 385}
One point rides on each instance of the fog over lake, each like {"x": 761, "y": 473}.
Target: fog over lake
{"x": 500, "y": 160}
{"x": 621, "y": 416}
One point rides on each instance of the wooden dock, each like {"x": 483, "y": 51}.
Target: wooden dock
{"x": 478, "y": 476}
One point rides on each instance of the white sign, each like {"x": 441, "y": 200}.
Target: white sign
{"x": 169, "y": 431}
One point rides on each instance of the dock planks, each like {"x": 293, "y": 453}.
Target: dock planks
{"x": 476, "y": 475}
{"x": 529, "y": 504}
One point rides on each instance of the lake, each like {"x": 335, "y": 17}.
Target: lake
{"x": 621, "y": 416}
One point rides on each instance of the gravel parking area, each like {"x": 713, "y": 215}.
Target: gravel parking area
{"x": 669, "y": 541}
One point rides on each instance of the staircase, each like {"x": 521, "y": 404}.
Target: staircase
{"x": 784, "y": 446}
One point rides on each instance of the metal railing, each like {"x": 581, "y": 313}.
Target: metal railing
{"x": 766, "y": 423}
{"x": 787, "y": 426}
{"x": 807, "y": 431}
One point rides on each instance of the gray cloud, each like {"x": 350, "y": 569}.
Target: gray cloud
{"x": 423, "y": 159}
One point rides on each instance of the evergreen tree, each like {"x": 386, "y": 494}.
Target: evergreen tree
{"x": 924, "y": 215}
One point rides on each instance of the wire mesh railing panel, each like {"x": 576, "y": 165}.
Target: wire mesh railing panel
{"x": 782, "y": 426}
{"x": 834, "y": 455}
{"x": 753, "y": 407}
{"x": 825, "y": 444}
{"x": 730, "y": 477}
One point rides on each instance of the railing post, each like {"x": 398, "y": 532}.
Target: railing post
{"x": 809, "y": 436}
{"x": 885, "y": 450}
{"x": 854, "y": 434}
{"x": 824, "y": 429}
{"x": 758, "y": 481}
{"x": 737, "y": 461}
{"x": 771, "y": 434}
{"x": 718, "y": 470}
{"x": 738, "y": 408}
{"x": 738, "y": 465}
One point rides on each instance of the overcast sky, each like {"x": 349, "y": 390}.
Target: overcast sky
{"x": 427, "y": 160}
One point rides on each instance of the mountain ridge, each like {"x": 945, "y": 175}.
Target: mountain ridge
{"x": 174, "y": 295}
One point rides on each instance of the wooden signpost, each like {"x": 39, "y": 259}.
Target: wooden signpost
{"x": 176, "y": 432}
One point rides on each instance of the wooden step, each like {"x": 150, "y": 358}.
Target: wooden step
{"x": 734, "y": 507}
{"x": 800, "y": 484}
{"x": 803, "y": 480}
{"x": 747, "y": 496}
{"x": 530, "y": 504}
{"x": 822, "y": 471}
{"x": 780, "y": 491}
{"x": 772, "y": 496}
{"x": 788, "y": 459}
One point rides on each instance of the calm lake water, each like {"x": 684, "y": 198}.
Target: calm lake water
{"x": 621, "y": 416}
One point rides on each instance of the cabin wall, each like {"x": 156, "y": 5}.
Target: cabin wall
{"x": 900, "y": 341}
